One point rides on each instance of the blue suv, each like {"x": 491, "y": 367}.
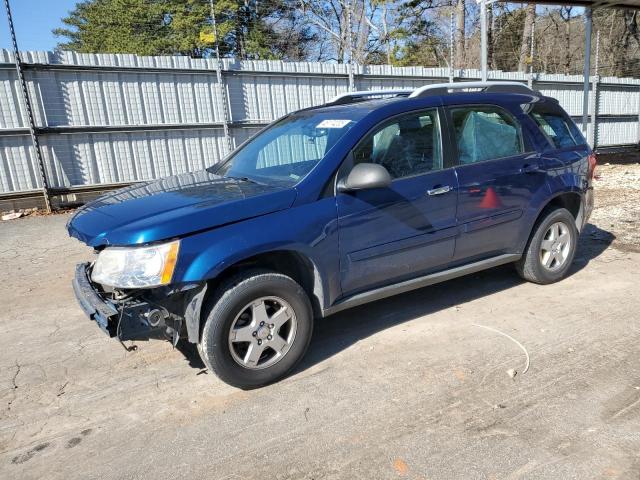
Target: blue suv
{"x": 332, "y": 207}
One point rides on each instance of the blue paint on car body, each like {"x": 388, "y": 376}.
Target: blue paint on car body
{"x": 363, "y": 240}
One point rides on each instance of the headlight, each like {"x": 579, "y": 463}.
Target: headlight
{"x": 136, "y": 267}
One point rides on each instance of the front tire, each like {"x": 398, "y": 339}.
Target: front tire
{"x": 551, "y": 248}
{"x": 258, "y": 326}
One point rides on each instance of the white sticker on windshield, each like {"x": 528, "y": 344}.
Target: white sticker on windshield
{"x": 333, "y": 123}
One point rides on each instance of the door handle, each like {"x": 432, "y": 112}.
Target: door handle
{"x": 439, "y": 190}
{"x": 530, "y": 168}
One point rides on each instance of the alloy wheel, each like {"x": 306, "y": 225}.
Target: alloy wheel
{"x": 555, "y": 246}
{"x": 262, "y": 333}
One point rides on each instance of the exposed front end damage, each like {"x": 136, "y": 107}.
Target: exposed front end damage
{"x": 141, "y": 313}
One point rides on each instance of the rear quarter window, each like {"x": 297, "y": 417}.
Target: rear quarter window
{"x": 559, "y": 129}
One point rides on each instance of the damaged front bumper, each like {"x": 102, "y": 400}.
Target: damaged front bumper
{"x": 98, "y": 309}
{"x": 141, "y": 313}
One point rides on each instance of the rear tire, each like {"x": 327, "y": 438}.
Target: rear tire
{"x": 551, "y": 248}
{"x": 258, "y": 326}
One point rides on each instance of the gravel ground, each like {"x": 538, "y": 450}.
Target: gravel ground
{"x": 618, "y": 203}
{"x": 407, "y": 387}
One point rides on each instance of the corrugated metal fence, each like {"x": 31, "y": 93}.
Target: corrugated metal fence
{"x": 108, "y": 119}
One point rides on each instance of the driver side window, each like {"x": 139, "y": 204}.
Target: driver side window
{"x": 406, "y": 146}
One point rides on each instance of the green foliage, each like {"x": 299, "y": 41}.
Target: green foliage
{"x": 398, "y": 32}
{"x": 169, "y": 27}
{"x": 117, "y": 26}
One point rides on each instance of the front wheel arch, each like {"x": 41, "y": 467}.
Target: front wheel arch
{"x": 220, "y": 313}
{"x": 291, "y": 263}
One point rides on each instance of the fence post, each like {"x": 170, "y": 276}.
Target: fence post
{"x": 593, "y": 134}
{"x": 533, "y": 31}
{"x": 587, "y": 68}
{"x": 593, "y": 137}
{"x": 483, "y": 40}
{"x": 352, "y": 82}
{"x": 27, "y": 103}
{"x": 220, "y": 81}
{"x": 638, "y": 128}
{"x": 451, "y": 40}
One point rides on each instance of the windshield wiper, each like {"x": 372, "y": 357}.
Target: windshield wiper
{"x": 245, "y": 179}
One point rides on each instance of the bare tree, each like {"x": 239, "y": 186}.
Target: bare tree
{"x": 527, "y": 32}
{"x": 346, "y": 25}
{"x": 381, "y": 27}
{"x": 460, "y": 38}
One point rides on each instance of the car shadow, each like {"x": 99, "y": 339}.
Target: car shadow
{"x": 338, "y": 332}
{"x": 191, "y": 355}
{"x": 592, "y": 242}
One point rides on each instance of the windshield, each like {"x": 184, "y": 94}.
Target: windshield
{"x": 287, "y": 151}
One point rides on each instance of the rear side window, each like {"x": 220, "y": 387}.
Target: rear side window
{"x": 485, "y": 133}
{"x": 557, "y": 128}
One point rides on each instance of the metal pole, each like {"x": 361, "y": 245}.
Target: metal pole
{"x": 29, "y": 109}
{"x": 483, "y": 39}
{"x": 587, "y": 68}
{"x": 533, "y": 30}
{"x": 451, "y": 45}
{"x": 594, "y": 89}
{"x": 223, "y": 93}
{"x": 352, "y": 83}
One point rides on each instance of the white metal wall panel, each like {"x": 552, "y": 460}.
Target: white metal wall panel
{"x": 186, "y": 91}
{"x": 612, "y": 132}
{"x": 17, "y": 170}
{"x": 103, "y": 98}
{"x": 569, "y": 95}
{"x": 10, "y": 104}
{"x": 107, "y": 158}
{"x": 618, "y": 100}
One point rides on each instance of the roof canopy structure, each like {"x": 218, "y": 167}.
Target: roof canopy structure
{"x": 589, "y": 6}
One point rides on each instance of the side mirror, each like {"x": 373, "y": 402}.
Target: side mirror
{"x": 365, "y": 176}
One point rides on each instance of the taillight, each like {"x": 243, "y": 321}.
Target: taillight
{"x": 593, "y": 162}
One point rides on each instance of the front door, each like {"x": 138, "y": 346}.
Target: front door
{"x": 390, "y": 234}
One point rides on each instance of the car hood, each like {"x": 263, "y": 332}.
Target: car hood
{"x": 173, "y": 207}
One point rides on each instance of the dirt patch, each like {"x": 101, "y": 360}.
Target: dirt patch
{"x": 617, "y": 205}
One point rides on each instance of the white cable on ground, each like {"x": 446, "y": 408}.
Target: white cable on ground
{"x": 526, "y": 367}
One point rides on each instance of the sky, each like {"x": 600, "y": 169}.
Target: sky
{"x": 33, "y": 21}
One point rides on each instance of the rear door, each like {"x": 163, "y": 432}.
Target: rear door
{"x": 390, "y": 234}
{"x": 498, "y": 172}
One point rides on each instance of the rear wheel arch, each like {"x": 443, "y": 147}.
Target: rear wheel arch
{"x": 556, "y": 229}
{"x": 570, "y": 200}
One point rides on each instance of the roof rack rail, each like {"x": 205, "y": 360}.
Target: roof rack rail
{"x": 351, "y": 97}
{"x": 445, "y": 88}
{"x": 432, "y": 90}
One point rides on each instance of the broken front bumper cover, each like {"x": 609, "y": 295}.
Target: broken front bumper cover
{"x": 127, "y": 320}
{"x": 102, "y": 311}
{"x": 144, "y": 314}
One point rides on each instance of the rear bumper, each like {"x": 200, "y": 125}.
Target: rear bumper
{"x": 98, "y": 309}
{"x": 588, "y": 204}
